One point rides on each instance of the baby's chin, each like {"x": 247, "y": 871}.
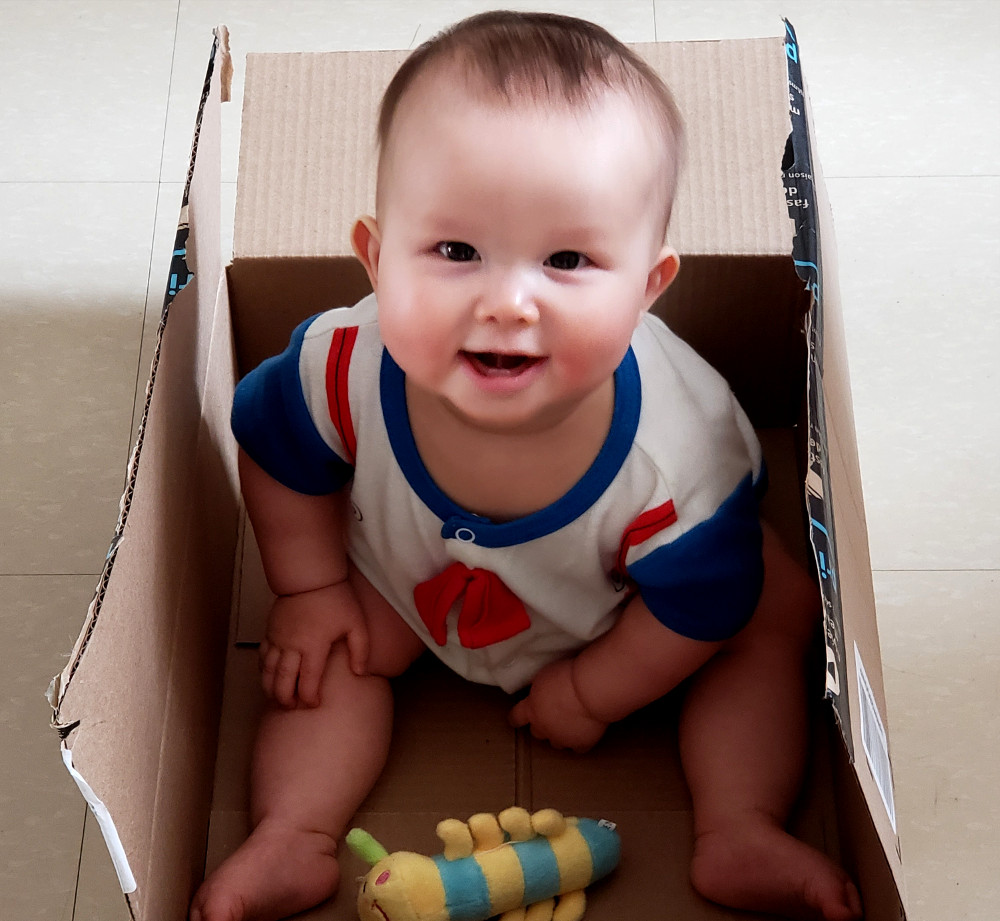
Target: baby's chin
{"x": 513, "y": 416}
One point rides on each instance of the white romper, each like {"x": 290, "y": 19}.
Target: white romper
{"x": 668, "y": 509}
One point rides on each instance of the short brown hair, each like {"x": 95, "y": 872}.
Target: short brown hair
{"x": 543, "y": 56}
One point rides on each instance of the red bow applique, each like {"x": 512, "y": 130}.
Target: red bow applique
{"x": 490, "y": 611}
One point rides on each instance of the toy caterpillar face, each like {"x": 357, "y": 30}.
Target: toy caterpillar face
{"x": 369, "y": 908}
{"x": 402, "y": 887}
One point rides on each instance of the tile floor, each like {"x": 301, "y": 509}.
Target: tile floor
{"x": 96, "y": 102}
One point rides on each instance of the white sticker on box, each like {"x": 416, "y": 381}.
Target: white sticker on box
{"x": 874, "y": 740}
{"x": 107, "y": 826}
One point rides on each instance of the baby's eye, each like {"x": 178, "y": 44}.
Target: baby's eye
{"x": 457, "y": 251}
{"x": 566, "y": 260}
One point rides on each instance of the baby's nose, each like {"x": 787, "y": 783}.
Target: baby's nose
{"x": 510, "y": 298}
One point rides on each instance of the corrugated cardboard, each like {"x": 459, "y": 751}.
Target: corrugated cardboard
{"x": 142, "y": 708}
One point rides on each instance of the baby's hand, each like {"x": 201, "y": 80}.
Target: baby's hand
{"x": 301, "y": 632}
{"x": 553, "y": 710}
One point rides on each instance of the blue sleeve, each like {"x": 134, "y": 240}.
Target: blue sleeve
{"x": 272, "y": 423}
{"x": 705, "y": 585}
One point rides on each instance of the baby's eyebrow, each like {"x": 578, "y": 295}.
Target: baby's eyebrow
{"x": 446, "y": 225}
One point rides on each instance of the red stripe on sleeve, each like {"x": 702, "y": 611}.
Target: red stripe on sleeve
{"x": 644, "y": 527}
{"x": 338, "y": 366}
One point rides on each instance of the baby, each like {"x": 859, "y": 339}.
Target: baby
{"x": 510, "y": 461}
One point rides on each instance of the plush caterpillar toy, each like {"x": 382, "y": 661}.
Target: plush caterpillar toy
{"x": 520, "y": 866}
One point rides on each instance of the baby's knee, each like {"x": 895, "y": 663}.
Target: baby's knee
{"x": 785, "y": 623}
{"x": 392, "y": 659}
{"x": 393, "y": 646}
{"x": 790, "y": 603}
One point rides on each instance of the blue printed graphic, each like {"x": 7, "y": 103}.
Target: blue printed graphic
{"x": 797, "y": 168}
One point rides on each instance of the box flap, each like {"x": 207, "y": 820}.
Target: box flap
{"x": 296, "y": 199}
{"x": 838, "y": 530}
{"x": 137, "y": 705}
{"x": 729, "y": 201}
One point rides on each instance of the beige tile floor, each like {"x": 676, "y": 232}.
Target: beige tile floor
{"x": 96, "y": 102}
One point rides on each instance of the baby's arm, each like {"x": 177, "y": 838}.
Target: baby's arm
{"x": 572, "y": 701}
{"x": 302, "y": 549}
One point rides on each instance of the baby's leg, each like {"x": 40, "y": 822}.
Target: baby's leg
{"x": 744, "y": 738}
{"x": 311, "y": 770}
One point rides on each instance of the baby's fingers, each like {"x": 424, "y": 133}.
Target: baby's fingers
{"x": 268, "y": 662}
{"x": 281, "y": 675}
{"x": 357, "y": 649}
{"x": 310, "y": 679}
{"x": 520, "y": 715}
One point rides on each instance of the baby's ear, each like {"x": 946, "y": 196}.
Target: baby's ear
{"x": 662, "y": 274}
{"x": 366, "y": 239}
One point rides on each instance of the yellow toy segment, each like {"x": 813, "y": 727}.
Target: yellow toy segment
{"x": 517, "y": 823}
{"x": 573, "y": 858}
{"x": 456, "y": 838}
{"x": 504, "y": 877}
{"x": 548, "y": 823}
{"x": 540, "y": 911}
{"x": 515, "y": 914}
{"x": 486, "y": 831}
{"x": 571, "y": 906}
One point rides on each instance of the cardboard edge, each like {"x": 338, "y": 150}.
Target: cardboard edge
{"x": 178, "y": 277}
{"x": 833, "y": 479}
{"x": 218, "y": 76}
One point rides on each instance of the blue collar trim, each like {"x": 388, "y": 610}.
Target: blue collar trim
{"x": 462, "y": 525}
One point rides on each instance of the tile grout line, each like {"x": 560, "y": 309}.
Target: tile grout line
{"x": 152, "y": 241}
{"x": 939, "y": 571}
{"x": 956, "y": 176}
{"x": 4, "y": 182}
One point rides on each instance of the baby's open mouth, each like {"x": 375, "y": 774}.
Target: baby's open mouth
{"x": 499, "y": 363}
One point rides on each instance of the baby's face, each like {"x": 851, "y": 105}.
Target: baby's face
{"x": 517, "y": 249}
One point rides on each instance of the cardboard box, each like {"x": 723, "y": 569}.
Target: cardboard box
{"x": 155, "y": 708}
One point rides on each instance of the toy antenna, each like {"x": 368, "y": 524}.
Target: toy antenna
{"x": 365, "y": 846}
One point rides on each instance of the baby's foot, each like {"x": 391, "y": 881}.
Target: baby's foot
{"x": 756, "y": 866}
{"x": 277, "y": 872}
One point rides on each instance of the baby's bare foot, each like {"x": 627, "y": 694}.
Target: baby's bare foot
{"x": 756, "y": 866}
{"x": 277, "y": 872}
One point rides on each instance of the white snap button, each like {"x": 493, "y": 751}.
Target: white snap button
{"x": 465, "y": 535}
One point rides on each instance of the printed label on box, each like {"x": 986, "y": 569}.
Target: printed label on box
{"x": 874, "y": 740}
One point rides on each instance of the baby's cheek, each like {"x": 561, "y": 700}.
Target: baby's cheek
{"x": 404, "y": 340}
{"x": 598, "y": 356}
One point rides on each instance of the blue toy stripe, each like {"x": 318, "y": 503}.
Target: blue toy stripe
{"x": 605, "y": 846}
{"x": 540, "y": 869}
{"x": 466, "y": 894}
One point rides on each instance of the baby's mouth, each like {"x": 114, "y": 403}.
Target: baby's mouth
{"x": 493, "y": 364}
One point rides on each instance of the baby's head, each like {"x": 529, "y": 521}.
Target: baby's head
{"x": 515, "y": 60}
{"x": 527, "y": 168}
